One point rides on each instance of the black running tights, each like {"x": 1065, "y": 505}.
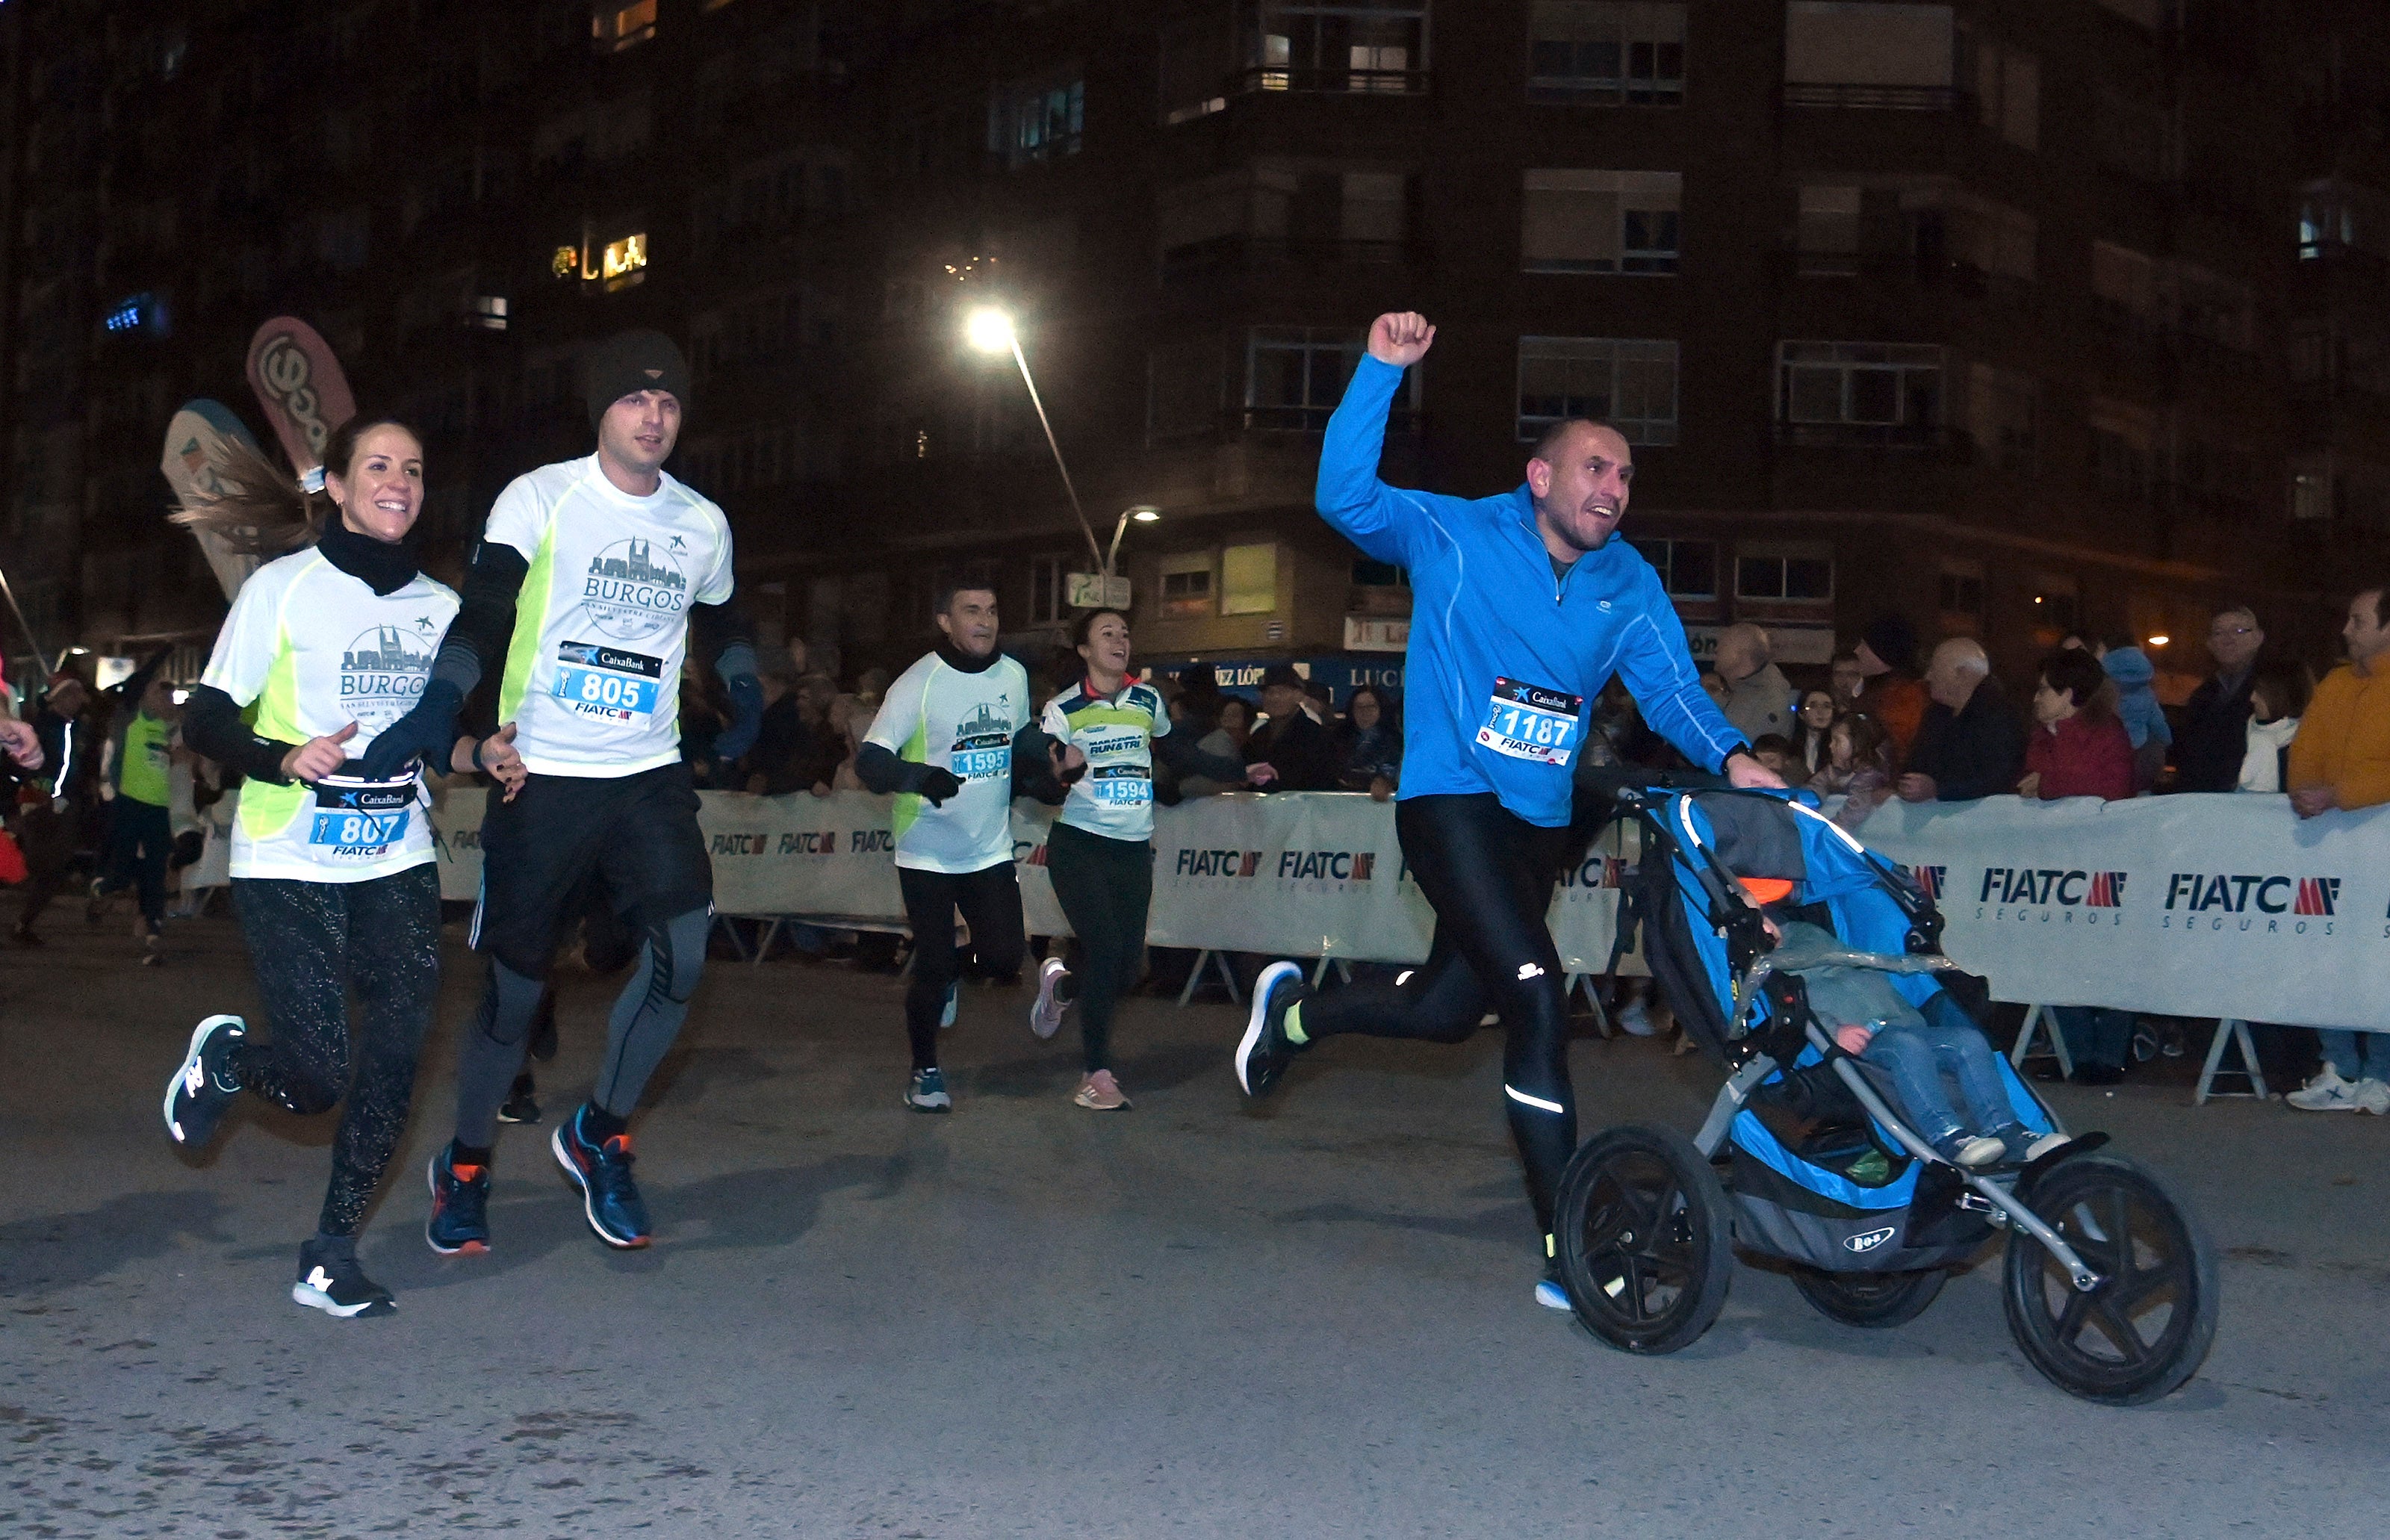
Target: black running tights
{"x": 310, "y": 943}
{"x": 1105, "y": 887}
{"x": 990, "y": 902}
{"x": 1488, "y": 874}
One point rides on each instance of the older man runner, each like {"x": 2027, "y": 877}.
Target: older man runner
{"x": 1524, "y": 609}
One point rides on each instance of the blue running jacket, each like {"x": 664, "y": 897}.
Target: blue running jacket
{"x": 1505, "y": 662}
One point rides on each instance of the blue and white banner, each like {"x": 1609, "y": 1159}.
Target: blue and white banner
{"x": 1303, "y": 874}
{"x": 2188, "y": 905}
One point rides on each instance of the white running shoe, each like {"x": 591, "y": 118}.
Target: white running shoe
{"x": 1981, "y": 1150}
{"x": 2373, "y": 1096}
{"x": 2327, "y": 1093}
{"x": 1045, "y": 1014}
{"x": 1635, "y": 1019}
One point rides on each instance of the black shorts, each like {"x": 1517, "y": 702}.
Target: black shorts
{"x": 638, "y": 833}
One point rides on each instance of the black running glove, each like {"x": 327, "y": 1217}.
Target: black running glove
{"x": 936, "y": 783}
{"x": 428, "y": 732}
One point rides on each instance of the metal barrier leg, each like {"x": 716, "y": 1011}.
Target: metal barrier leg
{"x": 2237, "y": 1032}
{"x": 2040, "y": 1017}
{"x": 1195, "y": 978}
{"x": 1583, "y": 983}
{"x": 737, "y": 942}
{"x": 764, "y": 942}
{"x": 1344, "y": 971}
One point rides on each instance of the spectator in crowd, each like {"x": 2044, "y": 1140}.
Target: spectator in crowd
{"x": 1810, "y": 724}
{"x": 848, "y": 720}
{"x": 50, "y": 801}
{"x": 2278, "y": 692}
{"x": 1969, "y": 744}
{"x": 1369, "y": 744}
{"x": 1849, "y": 682}
{"x": 782, "y": 744}
{"x": 870, "y": 689}
{"x": 1293, "y": 745}
{"x": 2136, "y": 708}
{"x": 1855, "y": 768}
{"x": 1758, "y": 697}
{"x": 702, "y": 719}
{"x": 1775, "y": 750}
{"x": 2340, "y": 759}
{"x": 2209, "y": 750}
{"x": 1894, "y": 696}
{"x": 1319, "y": 702}
{"x": 2077, "y": 747}
{"x": 1227, "y": 738}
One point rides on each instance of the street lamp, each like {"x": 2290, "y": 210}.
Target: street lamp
{"x": 989, "y": 330}
{"x": 1144, "y": 513}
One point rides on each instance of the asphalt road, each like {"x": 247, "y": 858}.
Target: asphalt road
{"x": 1192, "y": 1318}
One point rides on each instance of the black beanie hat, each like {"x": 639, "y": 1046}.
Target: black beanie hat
{"x": 633, "y": 361}
{"x": 1894, "y": 641}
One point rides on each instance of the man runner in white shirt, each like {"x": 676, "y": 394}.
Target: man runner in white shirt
{"x": 955, "y": 732}
{"x": 593, "y": 581}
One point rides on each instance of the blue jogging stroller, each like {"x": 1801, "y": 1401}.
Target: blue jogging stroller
{"x": 2109, "y": 1283}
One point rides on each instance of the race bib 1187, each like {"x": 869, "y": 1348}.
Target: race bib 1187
{"x": 1531, "y": 721}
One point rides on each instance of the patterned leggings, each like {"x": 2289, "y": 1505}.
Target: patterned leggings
{"x": 310, "y": 943}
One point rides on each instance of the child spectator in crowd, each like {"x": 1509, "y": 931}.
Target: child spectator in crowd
{"x": 2138, "y": 708}
{"x": 1810, "y": 724}
{"x": 2278, "y": 697}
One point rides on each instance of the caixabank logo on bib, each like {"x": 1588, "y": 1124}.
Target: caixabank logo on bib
{"x": 382, "y": 673}
{"x": 2052, "y": 895}
{"x": 632, "y": 590}
{"x": 2206, "y": 904}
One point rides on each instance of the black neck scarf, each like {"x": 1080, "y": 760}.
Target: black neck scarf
{"x": 381, "y": 565}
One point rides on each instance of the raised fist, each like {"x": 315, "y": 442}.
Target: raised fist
{"x": 1401, "y": 339}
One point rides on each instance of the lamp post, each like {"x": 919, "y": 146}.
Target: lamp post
{"x": 991, "y": 331}
{"x": 35, "y": 642}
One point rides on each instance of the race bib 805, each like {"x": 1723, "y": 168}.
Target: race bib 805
{"x": 607, "y": 681}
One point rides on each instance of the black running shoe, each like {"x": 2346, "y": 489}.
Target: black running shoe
{"x": 1265, "y": 1053}
{"x": 520, "y": 1106}
{"x": 204, "y": 1087}
{"x": 603, "y": 1173}
{"x": 331, "y": 1280}
{"x": 460, "y": 1206}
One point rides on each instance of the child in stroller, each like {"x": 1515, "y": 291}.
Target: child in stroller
{"x": 1869, "y": 1019}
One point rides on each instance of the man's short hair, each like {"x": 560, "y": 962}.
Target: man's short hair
{"x": 2235, "y": 608}
{"x": 941, "y": 597}
{"x": 1550, "y": 444}
{"x": 2379, "y": 586}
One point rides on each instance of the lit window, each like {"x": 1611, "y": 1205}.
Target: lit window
{"x": 566, "y": 262}
{"x": 1630, "y": 385}
{"x": 614, "y": 26}
{"x": 1601, "y": 222}
{"x": 1249, "y": 580}
{"x": 1036, "y": 121}
{"x": 1370, "y": 47}
{"x": 142, "y": 311}
{"x": 1188, "y": 595}
{"x": 1607, "y": 53}
{"x": 489, "y": 312}
{"x": 623, "y": 263}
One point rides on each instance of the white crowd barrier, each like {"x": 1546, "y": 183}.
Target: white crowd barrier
{"x": 2189, "y": 906}
{"x": 1294, "y": 873}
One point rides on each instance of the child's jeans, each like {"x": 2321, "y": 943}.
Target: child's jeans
{"x": 1915, "y": 1055}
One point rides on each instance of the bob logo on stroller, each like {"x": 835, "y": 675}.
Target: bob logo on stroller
{"x": 1869, "y": 1241}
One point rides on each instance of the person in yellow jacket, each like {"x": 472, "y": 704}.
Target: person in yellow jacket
{"x": 2340, "y": 759}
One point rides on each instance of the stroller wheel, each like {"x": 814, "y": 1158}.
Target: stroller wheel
{"x": 1870, "y": 1299}
{"x": 1644, "y": 1240}
{"x": 2146, "y": 1327}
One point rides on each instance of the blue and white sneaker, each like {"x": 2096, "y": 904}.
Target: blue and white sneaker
{"x": 1265, "y": 1053}
{"x": 928, "y": 1092}
{"x": 608, "y": 1198}
{"x": 954, "y": 1004}
{"x": 204, "y": 1087}
{"x": 1550, "y": 1293}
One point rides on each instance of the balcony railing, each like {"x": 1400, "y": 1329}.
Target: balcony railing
{"x": 1236, "y": 253}
{"x": 1925, "y": 437}
{"x": 1892, "y": 98}
{"x": 1945, "y": 276}
{"x": 1332, "y": 81}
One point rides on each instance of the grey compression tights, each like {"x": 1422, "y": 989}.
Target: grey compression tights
{"x": 648, "y": 1017}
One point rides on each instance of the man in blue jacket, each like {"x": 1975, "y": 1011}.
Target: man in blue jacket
{"x": 1523, "y": 608}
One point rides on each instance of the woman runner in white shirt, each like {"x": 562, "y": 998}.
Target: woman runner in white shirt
{"x": 1100, "y": 854}
{"x": 333, "y": 876}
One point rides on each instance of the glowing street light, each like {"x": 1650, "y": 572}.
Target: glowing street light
{"x": 989, "y": 330}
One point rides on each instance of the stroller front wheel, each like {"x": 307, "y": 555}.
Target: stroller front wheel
{"x": 2146, "y": 1326}
{"x": 1644, "y": 1238}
